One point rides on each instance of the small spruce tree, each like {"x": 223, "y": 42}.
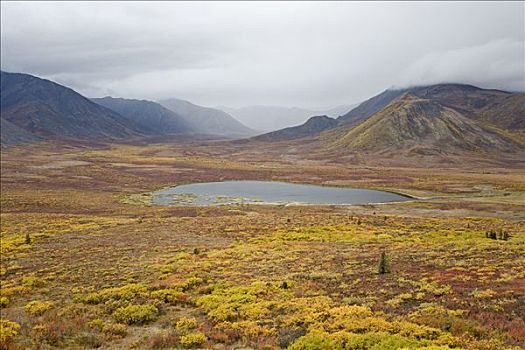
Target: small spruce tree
{"x": 384, "y": 266}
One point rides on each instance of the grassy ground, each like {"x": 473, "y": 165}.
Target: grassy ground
{"x": 87, "y": 262}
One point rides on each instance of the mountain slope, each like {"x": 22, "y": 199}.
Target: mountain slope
{"x": 508, "y": 112}
{"x": 207, "y": 120}
{"x": 12, "y": 134}
{"x": 272, "y": 118}
{"x": 499, "y": 111}
{"x": 313, "y": 126}
{"x": 151, "y": 117}
{"x": 467, "y": 99}
{"x": 411, "y": 124}
{"x": 369, "y": 107}
{"x": 48, "y": 110}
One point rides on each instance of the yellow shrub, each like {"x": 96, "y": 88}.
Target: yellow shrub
{"x": 184, "y": 324}
{"x": 136, "y": 314}
{"x": 116, "y": 330}
{"x": 192, "y": 339}
{"x": 3, "y": 302}
{"x": 32, "y": 281}
{"x": 8, "y": 331}
{"x": 190, "y": 283}
{"x": 168, "y": 295}
{"x": 483, "y": 294}
{"x": 37, "y": 308}
{"x": 126, "y": 292}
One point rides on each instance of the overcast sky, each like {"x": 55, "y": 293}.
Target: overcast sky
{"x": 311, "y": 54}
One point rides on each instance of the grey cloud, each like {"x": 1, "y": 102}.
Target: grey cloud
{"x": 309, "y": 54}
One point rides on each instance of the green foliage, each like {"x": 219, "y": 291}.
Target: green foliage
{"x": 384, "y": 266}
{"x": 136, "y": 314}
{"x": 502, "y": 235}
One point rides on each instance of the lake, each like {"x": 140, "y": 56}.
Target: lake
{"x": 235, "y": 192}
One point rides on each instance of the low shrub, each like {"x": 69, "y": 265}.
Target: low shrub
{"x": 33, "y": 281}
{"x": 136, "y": 314}
{"x": 192, "y": 339}
{"x": 37, "y": 308}
{"x": 185, "y": 324}
{"x": 127, "y": 292}
{"x": 8, "y": 331}
{"x": 115, "y": 330}
{"x": 3, "y": 302}
{"x": 169, "y": 295}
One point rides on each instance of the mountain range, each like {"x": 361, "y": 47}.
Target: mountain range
{"x": 424, "y": 120}
{"x": 436, "y": 119}
{"x": 272, "y": 118}
{"x": 35, "y": 109}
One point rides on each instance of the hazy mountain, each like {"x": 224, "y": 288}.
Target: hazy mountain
{"x": 271, "y": 118}
{"x": 151, "y": 117}
{"x": 313, "y": 126}
{"x": 44, "y": 109}
{"x": 339, "y": 110}
{"x": 207, "y": 120}
{"x": 417, "y": 125}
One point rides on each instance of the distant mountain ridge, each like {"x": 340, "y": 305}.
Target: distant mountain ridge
{"x": 35, "y": 109}
{"x": 272, "y": 118}
{"x": 152, "y": 118}
{"x": 207, "y": 120}
{"x": 44, "y": 109}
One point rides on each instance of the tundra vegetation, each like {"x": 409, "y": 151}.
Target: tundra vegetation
{"x": 89, "y": 262}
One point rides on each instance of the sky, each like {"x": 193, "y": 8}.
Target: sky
{"x": 306, "y": 54}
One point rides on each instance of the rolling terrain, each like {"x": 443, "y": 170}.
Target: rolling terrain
{"x": 207, "y": 120}
{"x": 89, "y": 262}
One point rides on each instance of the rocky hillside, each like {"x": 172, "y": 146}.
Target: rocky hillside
{"x": 411, "y": 124}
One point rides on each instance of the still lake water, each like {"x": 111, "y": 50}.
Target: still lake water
{"x": 230, "y": 192}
